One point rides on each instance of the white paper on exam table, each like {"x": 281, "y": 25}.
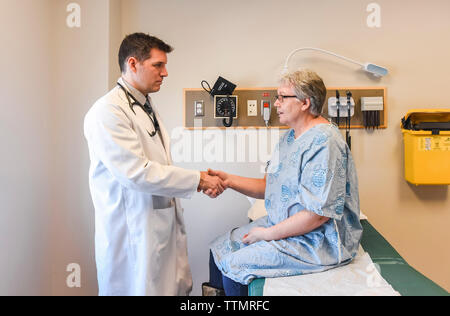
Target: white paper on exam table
{"x": 359, "y": 278}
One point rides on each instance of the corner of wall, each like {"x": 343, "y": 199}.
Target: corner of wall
{"x": 114, "y": 39}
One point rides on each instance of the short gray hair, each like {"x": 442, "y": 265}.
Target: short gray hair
{"x": 308, "y": 85}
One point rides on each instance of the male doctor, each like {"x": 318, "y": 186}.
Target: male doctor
{"x": 140, "y": 237}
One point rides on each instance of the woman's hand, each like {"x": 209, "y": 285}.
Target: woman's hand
{"x": 257, "y": 234}
{"x": 211, "y": 184}
{"x": 225, "y": 177}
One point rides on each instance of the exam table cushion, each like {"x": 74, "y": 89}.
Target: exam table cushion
{"x": 393, "y": 268}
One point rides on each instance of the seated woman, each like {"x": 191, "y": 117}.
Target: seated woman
{"x": 311, "y": 197}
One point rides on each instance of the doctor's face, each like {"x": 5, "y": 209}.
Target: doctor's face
{"x": 151, "y": 72}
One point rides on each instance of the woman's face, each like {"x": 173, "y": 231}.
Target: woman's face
{"x": 290, "y": 109}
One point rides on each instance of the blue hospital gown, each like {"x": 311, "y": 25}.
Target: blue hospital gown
{"x": 315, "y": 172}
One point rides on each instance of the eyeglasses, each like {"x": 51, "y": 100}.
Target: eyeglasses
{"x": 281, "y": 98}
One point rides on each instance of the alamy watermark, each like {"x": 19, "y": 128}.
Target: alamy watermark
{"x": 74, "y": 18}
{"x": 374, "y": 18}
{"x": 73, "y": 280}
{"x": 231, "y": 145}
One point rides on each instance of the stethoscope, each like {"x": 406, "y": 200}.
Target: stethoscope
{"x": 151, "y": 113}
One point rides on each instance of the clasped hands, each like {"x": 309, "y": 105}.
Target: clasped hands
{"x": 213, "y": 183}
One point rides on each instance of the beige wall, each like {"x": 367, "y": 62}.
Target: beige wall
{"x": 115, "y": 39}
{"x": 52, "y": 75}
{"x": 80, "y": 73}
{"x": 247, "y": 43}
{"x": 25, "y": 136}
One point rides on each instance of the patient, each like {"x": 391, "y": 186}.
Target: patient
{"x": 311, "y": 196}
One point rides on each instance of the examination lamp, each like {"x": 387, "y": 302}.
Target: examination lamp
{"x": 375, "y": 70}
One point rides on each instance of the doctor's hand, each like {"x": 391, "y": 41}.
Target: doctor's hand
{"x": 225, "y": 177}
{"x": 212, "y": 186}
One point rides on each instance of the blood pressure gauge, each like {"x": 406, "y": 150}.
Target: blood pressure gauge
{"x": 223, "y": 104}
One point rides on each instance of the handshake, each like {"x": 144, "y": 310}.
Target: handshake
{"x": 213, "y": 183}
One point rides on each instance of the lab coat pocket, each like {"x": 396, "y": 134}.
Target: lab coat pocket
{"x": 161, "y": 222}
{"x": 161, "y": 250}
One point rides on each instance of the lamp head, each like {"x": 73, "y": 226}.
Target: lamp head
{"x": 376, "y": 70}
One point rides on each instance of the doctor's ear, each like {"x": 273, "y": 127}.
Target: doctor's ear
{"x": 132, "y": 62}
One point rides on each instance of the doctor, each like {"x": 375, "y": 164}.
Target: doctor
{"x": 140, "y": 237}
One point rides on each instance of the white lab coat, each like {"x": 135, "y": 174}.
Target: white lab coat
{"x": 140, "y": 238}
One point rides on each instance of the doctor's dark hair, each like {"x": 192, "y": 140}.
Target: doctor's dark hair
{"x": 138, "y": 45}
{"x": 308, "y": 85}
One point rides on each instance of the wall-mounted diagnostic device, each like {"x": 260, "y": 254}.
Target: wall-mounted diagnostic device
{"x": 371, "y": 108}
{"x": 342, "y": 107}
{"x": 338, "y": 107}
{"x": 266, "y": 111}
{"x": 225, "y": 106}
{"x": 254, "y": 107}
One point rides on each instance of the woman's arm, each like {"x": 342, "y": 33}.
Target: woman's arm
{"x": 255, "y": 188}
{"x": 299, "y": 224}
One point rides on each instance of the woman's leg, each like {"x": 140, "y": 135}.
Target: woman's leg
{"x": 215, "y": 286}
{"x": 215, "y": 276}
{"x": 233, "y": 288}
{"x": 220, "y": 282}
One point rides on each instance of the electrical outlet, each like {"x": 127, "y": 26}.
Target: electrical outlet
{"x": 199, "y": 108}
{"x": 252, "y": 108}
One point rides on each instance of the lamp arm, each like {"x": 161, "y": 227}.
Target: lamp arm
{"x": 319, "y": 50}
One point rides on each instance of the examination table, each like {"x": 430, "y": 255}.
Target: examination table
{"x": 393, "y": 268}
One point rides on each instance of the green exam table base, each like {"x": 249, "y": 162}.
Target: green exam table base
{"x": 394, "y": 269}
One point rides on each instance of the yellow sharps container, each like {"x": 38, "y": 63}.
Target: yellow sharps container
{"x": 426, "y": 136}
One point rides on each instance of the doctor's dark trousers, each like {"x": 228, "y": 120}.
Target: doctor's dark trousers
{"x": 219, "y": 281}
